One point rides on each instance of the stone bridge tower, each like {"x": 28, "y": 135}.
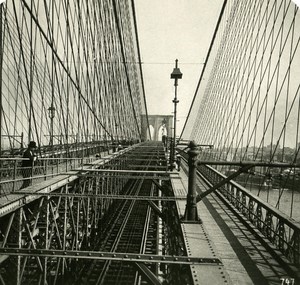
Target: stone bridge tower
{"x": 157, "y": 122}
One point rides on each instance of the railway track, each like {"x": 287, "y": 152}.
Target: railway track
{"x": 129, "y": 226}
{"x": 95, "y": 222}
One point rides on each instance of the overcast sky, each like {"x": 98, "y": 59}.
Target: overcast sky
{"x": 171, "y": 29}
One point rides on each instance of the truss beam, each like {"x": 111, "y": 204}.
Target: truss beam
{"x": 128, "y": 257}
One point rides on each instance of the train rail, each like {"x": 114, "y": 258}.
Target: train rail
{"x": 129, "y": 226}
{"x": 100, "y": 227}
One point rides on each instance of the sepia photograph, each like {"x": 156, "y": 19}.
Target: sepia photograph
{"x": 149, "y": 142}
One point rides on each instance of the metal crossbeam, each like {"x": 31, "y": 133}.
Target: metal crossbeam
{"x": 101, "y": 196}
{"x": 147, "y": 273}
{"x": 222, "y": 182}
{"x": 116, "y": 256}
{"x": 124, "y": 176}
{"x": 129, "y": 171}
{"x": 250, "y": 163}
{"x": 156, "y": 209}
{"x": 154, "y": 166}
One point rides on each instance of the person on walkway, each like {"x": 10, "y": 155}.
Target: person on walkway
{"x": 28, "y": 163}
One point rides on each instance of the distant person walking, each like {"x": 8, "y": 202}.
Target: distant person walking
{"x": 27, "y": 164}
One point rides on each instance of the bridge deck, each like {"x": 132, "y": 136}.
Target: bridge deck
{"x": 222, "y": 235}
{"x": 228, "y": 251}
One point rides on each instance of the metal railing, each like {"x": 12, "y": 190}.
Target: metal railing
{"x": 14, "y": 177}
{"x": 282, "y": 231}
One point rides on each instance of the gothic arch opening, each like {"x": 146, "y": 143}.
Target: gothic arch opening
{"x": 151, "y": 128}
{"x": 159, "y": 125}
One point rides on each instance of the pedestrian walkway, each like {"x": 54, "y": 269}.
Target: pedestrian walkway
{"x": 243, "y": 259}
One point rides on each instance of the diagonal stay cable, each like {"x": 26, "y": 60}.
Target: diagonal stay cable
{"x": 63, "y": 66}
{"x": 205, "y": 63}
{"x": 125, "y": 66}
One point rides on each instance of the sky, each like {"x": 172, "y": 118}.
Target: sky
{"x": 169, "y": 30}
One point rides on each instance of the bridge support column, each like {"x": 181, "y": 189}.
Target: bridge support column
{"x": 191, "y": 213}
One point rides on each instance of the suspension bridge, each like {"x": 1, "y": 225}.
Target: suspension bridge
{"x": 113, "y": 194}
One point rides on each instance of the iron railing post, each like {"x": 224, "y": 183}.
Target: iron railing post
{"x": 191, "y": 213}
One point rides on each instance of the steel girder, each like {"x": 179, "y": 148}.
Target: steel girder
{"x": 282, "y": 231}
{"x": 55, "y": 222}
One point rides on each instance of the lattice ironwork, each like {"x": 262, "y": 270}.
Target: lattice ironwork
{"x": 282, "y": 231}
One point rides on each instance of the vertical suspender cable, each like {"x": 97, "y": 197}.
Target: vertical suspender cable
{"x": 205, "y": 63}
{"x": 140, "y": 63}
{"x": 125, "y": 66}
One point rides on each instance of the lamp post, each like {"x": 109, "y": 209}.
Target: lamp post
{"x": 176, "y": 74}
{"x": 51, "y": 113}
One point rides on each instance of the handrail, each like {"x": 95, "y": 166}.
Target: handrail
{"x": 271, "y": 222}
{"x": 290, "y": 221}
{"x": 18, "y": 200}
{"x": 281, "y": 230}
